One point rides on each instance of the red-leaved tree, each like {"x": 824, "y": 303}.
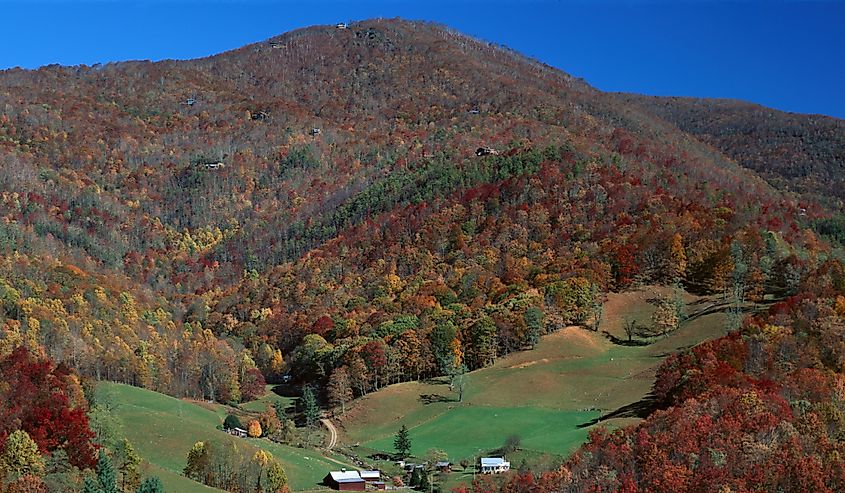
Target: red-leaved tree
{"x": 36, "y": 396}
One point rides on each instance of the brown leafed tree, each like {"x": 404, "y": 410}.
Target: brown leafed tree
{"x": 340, "y": 388}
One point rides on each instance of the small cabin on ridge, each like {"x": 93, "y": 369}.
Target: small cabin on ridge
{"x": 214, "y": 165}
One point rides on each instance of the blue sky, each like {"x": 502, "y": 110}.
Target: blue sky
{"x": 785, "y": 54}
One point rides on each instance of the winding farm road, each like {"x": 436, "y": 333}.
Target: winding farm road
{"x": 332, "y": 432}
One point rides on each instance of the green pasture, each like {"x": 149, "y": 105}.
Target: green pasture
{"x": 163, "y": 429}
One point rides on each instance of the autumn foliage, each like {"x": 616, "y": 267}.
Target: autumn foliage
{"x": 46, "y": 402}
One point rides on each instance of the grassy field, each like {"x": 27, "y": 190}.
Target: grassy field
{"x": 569, "y": 379}
{"x": 163, "y": 429}
{"x": 542, "y": 430}
{"x": 270, "y": 398}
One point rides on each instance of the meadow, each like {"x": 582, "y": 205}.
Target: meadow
{"x": 550, "y": 396}
{"x": 163, "y": 429}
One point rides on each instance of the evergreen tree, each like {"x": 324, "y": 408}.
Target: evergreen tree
{"x": 534, "y": 325}
{"x": 402, "y": 442}
{"x": 280, "y": 411}
{"x": 309, "y": 407}
{"x": 151, "y": 485}
{"x": 232, "y": 422}
{"x": 105, "y": 474}
{"x": 90, "y": 485}
{"x": 425, "y": 483}
{"x": 415, "y": 477}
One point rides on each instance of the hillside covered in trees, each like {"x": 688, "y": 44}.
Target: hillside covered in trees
{"x": 392, "y": 201}
{"x": 800, "y": 153}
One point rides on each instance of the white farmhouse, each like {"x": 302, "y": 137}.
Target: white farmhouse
{"x": 494, "y": 465}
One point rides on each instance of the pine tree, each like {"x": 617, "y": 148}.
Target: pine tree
{"x": 151, "y": 485}
{"x": 415, "y": 478}
{"x": 280, "y": 411}
{"x": 402, "y": 442}
{"x": 425, "y": 483}
{"x": 310, "y": 407}
{"x": 534, "y": 325}
{"x": 106, "y": 474}
{"x": 90, "y": 486}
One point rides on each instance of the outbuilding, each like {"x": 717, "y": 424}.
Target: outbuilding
{"x": 371, "y": 476}
{"x": 344, "y": 480}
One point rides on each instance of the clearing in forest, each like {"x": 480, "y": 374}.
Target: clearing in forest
{"x": 549, "y": 396}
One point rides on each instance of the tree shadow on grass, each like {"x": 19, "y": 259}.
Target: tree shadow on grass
{"x": 624, "y": 342}
{"x": 286, "y": 390}
{"x": 640, "y": 409}
{"x": 432, "y": 398}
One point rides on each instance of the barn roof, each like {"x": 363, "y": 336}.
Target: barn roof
{"x": 346, "y": 476}
{"x": 371, "y": 474}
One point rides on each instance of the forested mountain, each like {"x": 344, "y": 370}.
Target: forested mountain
{"x": 335, "y": 198}
{"x": 800, "y": 153}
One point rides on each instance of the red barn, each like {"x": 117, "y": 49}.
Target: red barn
{"x": 345, "y": 481}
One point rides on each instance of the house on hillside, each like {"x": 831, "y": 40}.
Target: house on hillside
{"x": 494, "y": 465}
{"x": 443, "y": 466}
{"x": 316, "y": 131}
{"x": 344, "y": 480}
{"x": 238, "y": 432}
{"x": 341, "y": 25}
{"x": 214, "y": 165}
{"x": 486, "y": 151}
